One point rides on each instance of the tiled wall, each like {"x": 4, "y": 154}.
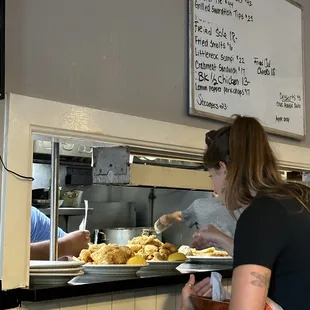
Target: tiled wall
{"x": 162, "y": 298}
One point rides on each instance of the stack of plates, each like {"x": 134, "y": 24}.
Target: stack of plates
{"x": 54, "y": 272}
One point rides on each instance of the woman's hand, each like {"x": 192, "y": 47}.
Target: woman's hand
{"x": 202, "y": 288}
{"x": 210, "y": 236}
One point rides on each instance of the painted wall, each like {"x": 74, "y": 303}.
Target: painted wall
{"x": 121, "y": 56}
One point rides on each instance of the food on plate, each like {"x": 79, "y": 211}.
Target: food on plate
{"x": 138, "y": 250}
{"x": 150, "y": 248}
{"x": 136, "y": 260}
{"x": 186, "y": 250}
{"x": 102, "y": 254}
{"x": 180, "y": 257}
{"x": 219, "y": 254}
{"x": 203, "y": 252}
{"x": 209, "y": 252}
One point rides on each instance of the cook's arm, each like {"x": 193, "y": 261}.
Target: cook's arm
{"x": 41, "y": 250}
{"x": 70, "y": 245}
{"x": 166, "y": 220}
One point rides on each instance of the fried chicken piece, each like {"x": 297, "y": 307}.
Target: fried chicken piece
{"x": 128, "y": 251}
{"x": 119, "y": 256}
{"x": 164, "y": 253}
{"x": 150, "y": 257}
{"x": 159, "y": 257}
{"x": 95, "y": 247}
{"x": 171, "y": 247}
{"x": 135, "y": 247}
{"x": 150, "y": 249}
{"x": 142, "y": 253}
{"x": 138, "y": 240}
{"x": 112, "y": 254}
{"x": 85, "y": 256}
{"x": 153, "y": 241}
{"x": 98, "y": 256}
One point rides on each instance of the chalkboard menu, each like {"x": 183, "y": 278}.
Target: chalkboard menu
{"x": 246, "y": 57}
{"x": 2, "y": 49}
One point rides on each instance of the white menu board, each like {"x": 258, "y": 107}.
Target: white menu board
{"x": 246, "y": 57}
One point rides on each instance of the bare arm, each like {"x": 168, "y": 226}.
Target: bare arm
{"x": 227, "y": 243}
{"x": 70, "y": 245}
{"x": 251, "y": 281}
{"x": 211, "y": 236}
{"x": 41, "y": 250}
{"x": 166, "y": 220}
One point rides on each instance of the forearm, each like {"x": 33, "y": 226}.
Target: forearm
{"x": 227, "y": 243}
{"x": 41, "y": 250}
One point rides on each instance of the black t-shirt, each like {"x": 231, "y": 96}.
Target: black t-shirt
{"x": 276, "y": 234}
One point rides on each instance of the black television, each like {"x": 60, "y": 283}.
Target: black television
{"x": 2, "y": 49}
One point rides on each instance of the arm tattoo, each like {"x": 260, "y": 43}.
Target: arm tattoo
{"x": 261, "y": 280}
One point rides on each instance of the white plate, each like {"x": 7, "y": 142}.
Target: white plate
{"x": 45, "y": 264}
{"x": 113, "y": 269}
{"x": 211, "y": 259}
{"x": 57, "y": 270}
{"x": 162, "y": 265}
{"x": 48, "y": 279}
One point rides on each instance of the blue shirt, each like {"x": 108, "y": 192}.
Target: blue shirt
{"x": 41, "y": 226}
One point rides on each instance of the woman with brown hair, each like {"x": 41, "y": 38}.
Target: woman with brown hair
{"x": 271, "y": 245}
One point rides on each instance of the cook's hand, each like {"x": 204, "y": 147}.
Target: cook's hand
{"x": 174, "y": 217}
{"x": 208, "y": 237}
{"x": 73, "y": 243}
{"x": 202, "y": 288}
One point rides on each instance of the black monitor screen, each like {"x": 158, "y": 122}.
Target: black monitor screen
{"x": 2, "y": 48}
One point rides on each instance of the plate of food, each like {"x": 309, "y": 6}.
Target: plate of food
{"x": 159, "y": 255}
{"x": 111, "y": 259}
{"x": 206, "y": 256}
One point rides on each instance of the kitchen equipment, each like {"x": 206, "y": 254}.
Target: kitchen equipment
{"x": 122, "y": 235}
{"x": 112, "y": 214}
{"x": 84, "y": 221}
{"x": 44, "y": 203}
{"x": 72, "y": 198}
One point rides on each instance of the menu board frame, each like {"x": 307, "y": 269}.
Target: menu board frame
{"x": 191, "y": 78}
{"x": 2, "y": 49}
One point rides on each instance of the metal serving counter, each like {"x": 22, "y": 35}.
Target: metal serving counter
{"x": 83, "y": 286}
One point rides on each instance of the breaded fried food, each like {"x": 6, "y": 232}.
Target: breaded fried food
{"x": 164, "y": 253}
{"x": 98, "y": 256}
{"x": 150, "y": 249}
{"x": 171, "y": 247}
{"x": 95, "y": 247}
{"x": 135, "y": 247}
{"x": 112, "y": 255}
{"x": 85, "y": 256}
{"x": 218, "y": 254}
{"x": 139, "y": 240}
{"x": 153, "y": 241}
{"x": 159, "y": 257}
{"x": 119, "y": 256}
{"x": 142, "y": 253}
